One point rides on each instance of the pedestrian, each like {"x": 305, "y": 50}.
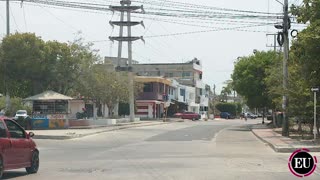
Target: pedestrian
{"x": 245, "y": 116}
{"x": 85, "y": 115}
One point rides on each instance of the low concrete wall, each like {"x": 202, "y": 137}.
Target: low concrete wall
{"x": 80, "y": 122}
{"x": 103, "y": 122}
{"x": 99, "y": 122}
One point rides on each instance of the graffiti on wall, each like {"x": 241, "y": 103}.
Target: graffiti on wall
{"x": 52, "y": 121}
{"x": 57, "y": 123}
{"x": 56, "y": 116}
{"x": 40, "y": 123}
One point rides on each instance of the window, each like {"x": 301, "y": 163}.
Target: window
{"x": 161, "y": 88}
{"x": 186, "y": 74}
{"x": 3, "y": 132}
{"x": 148, "y": 87}
{"x": 200, "y": 76}
{"x": 50, "y": 107}
{"x": 169, "y": 74}
{"x": 14, "y": 130}
{"x": 182, "y": 92}
{"x": 201, "y": 92}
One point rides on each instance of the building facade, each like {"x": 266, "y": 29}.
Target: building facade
{"x": 183, "y": 85}
{"x": 188, "y": 75}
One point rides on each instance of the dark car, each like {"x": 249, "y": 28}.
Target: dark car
{"x": 226, "y": 115}
{"x": 17, "y": 149}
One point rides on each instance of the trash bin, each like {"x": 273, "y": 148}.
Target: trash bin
{"x": 279, "y": 119}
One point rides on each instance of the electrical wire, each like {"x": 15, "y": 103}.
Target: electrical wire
{"x": 196, "y": 6}
{"x": 24, "y": 17}
{"x": 14, "y": 20}
{"x": 59, "y": 19}
{"x": 175, "y": 13}
{"x": 211, "y": 30}
{"x": 163, "y": 2}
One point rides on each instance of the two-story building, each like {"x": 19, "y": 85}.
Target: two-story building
{"x": 188, "y": 74}
{"x": 187, "y": 92}
{"x": 151, "y": 102}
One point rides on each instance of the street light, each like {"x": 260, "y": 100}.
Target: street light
{"x": 315, "y": 90}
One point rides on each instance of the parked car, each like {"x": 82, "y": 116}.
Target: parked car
{"x": 21, "y": 113}
{"x": 178, "y": 115}
{"x": 2, "y": 113}
{"x": 252, "y": 116}
{"x": 259, "y": 115}
{"x": 190, "y": 115}
{"x": 226, "y": 115}
{"x": 17, "y": 149}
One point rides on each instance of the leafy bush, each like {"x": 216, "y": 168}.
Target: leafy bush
{"x": 16, "y": 104}
{"x": 227, "y": 107}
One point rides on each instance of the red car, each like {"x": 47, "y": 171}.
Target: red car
{"x": 17, "y": 149}
{"x": 190, "y": 115}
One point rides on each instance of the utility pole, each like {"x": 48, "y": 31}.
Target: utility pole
{"x": 315, "y": 90}
{"x": 126, "y": 7}
{"x": 8, "y": 17}
{"x": 116, "y": 109}
{"x": 285, "y": 123}
{"x": 5, "y": 69}
{"x": 214, "y": 100}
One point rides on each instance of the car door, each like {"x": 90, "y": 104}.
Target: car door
{"x": 20, "y": 144}
{"x": 188, "y": 115}
{"x": 5, "y": 146}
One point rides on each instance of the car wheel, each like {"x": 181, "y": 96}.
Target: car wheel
{"x": 34, "y": 163}
{"x": 193, "y": 119}
{"x": 1, "y": 167}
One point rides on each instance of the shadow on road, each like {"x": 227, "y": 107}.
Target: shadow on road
{"x": 239, "y": 129}
{"x": 13, "y": 174}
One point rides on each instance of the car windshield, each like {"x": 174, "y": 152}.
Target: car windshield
{"x": 21, "y": 112}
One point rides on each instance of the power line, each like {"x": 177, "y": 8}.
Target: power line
{"x": 166, "y": 12}
{"x": 204, "y": 31}
{"x": 14, "y": 20}
{"x": 24, "y": 17}
{"x": 164, "y": 1}
{"x": 196, "y": 6}
{"x": 59, "y": 19}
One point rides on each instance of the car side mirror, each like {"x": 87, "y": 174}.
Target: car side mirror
{"x": 31, "y": 134}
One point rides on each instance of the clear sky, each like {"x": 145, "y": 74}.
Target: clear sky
{"x": 216, "y": 49}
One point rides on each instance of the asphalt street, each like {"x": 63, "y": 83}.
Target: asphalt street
{"x": 179, "y": 150}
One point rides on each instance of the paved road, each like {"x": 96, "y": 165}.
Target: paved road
{"x": 185, "y": 150}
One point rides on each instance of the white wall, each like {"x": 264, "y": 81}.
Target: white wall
{"x": 190, "y": 94}
{"x": 74, "y": 107}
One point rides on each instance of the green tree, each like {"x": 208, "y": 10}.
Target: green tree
{"x": 24, "y": 64}
{"x": 106, "y": 87}
{"x": 305, "y": 61}
{"x": 249, "y": 78}
{"x": 31, "y": 65}
{"x": 227, "y": 107}
{"x": 16, "y": 104}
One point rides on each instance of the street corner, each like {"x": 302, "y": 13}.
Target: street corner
{"x": 282, "y": 144}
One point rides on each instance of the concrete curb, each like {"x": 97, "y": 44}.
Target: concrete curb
{"x": 115, "y": 128}
{"x": 286, "y": 149}
{"x": 263, "y": 140}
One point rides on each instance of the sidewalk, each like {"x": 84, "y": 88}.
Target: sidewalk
{"x": 79, "y": 132}
{"x": 282, "y": 144}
